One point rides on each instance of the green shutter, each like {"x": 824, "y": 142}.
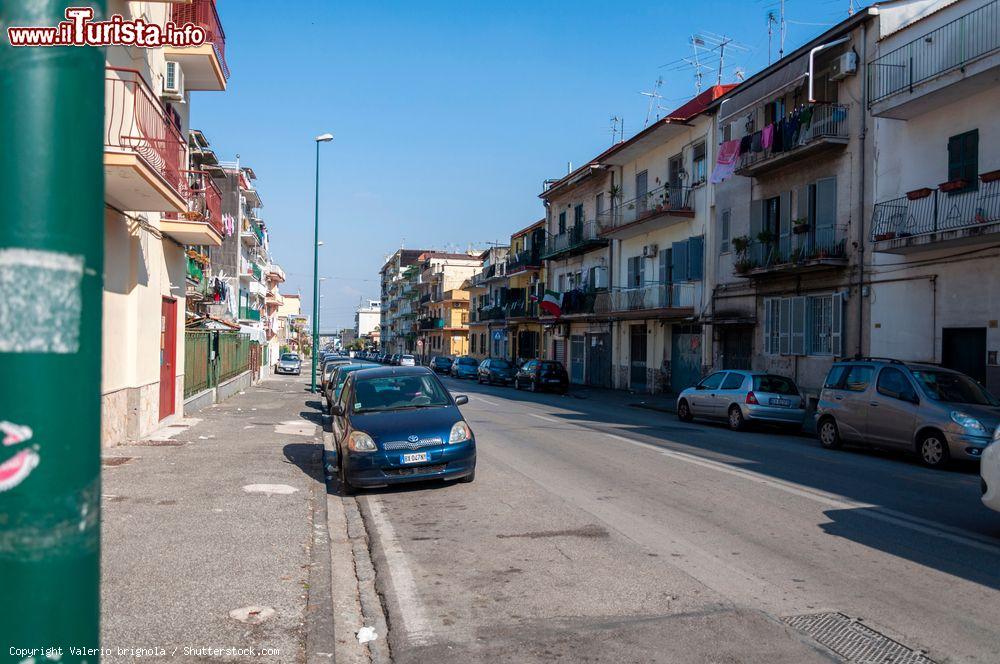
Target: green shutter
{"x": 696, "y": 258}
{"x": 679, "y": 253}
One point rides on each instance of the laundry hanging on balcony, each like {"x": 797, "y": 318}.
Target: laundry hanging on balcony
{"x": 725, "y": 162}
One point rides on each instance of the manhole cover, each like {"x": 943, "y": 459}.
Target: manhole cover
{"x": 115, "y": 461}
{"x": 855, "y": 641}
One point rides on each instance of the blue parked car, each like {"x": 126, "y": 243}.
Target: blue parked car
{"x": 400, "y": 424}
{"x": 465, "y": 367}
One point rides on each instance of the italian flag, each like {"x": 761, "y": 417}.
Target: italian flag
{"x": 552, "y": 303}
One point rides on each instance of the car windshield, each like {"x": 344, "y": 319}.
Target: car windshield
{"x": 289, "y": 357}
{"x": 954, "y": 388}
{"x": 398, "y": 393}
{"x": 442, "y": 360}
{"x": 550, "y": 367}
{"x": 343, "y": 373}
{"x": 468, "y": 362}
{"x": 775, "y": 385}
{"x": 500, "y": 364}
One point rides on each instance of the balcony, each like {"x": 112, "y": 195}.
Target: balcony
{"x": 577, "y": 239}
{"x": 944, "y": 65}
{"x": 431, "y": 324}
{"x": 204, "y": 66}
{"x": 424, "y": 299}
{"x": 661, "y": 300}
{"x": 933, "y": 219}
{"x": 275, "y": 273}
{"x": 195, "y": 273}
{"x": 822, "y": 251}
{"x": 523, "y": 261}
{"x": 202, "y": 223}
{"x": 143, "y": 150}
{"x": 522, "y": 310}
{"x": 252, "y": 233}
{"x": 490, "y": 313}
{"x": 248, "y": 314}
{"x": 827, "y": 130}
{"x": 661, "y": 207}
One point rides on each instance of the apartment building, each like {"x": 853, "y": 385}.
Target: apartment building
{"x": 487, "y": 323}
{"x": 525, "y": 290}
{"x": 398, "y": 275}
{"x": 443, "y": 305}
{"x": 156, "y": 207}
{"x": 789, "y": 210}
{"x": 933, "y": 265}
{"x": 367, "y": 318}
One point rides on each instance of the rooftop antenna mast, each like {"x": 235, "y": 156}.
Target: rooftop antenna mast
{"x": 713, "y": 42}
{"x": 771, "y": 21}
{"x": 850, "y": 8}
{"x": 616, "y": 128}
{"x": 782, "y": 30}
{"x": 654, "y": 98}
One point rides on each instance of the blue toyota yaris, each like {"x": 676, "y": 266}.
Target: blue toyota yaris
{"x": 400, "y": 424}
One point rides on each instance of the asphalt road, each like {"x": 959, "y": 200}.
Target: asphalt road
{"x": 599, "y": 532}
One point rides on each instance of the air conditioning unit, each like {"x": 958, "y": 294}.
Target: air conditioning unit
{"x": 650, "y": 251}
{"x": 173, "y": 81}
{"x": 600, "y": 277}
{"x": 844, "y": 66}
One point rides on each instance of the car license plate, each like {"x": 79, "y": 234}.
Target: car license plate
{"x": 551, "y": 380}
{"x": 415, "y": 458}
{"x": 784, "y": 403}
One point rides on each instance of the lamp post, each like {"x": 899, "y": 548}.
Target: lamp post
{"x": 322, "y": 138}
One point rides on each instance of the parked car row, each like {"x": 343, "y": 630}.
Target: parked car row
{"x": 534, "y": 375}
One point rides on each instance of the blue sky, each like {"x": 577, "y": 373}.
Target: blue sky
{"x": 447, "y": 116}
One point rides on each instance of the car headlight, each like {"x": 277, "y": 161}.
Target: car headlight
{"x": 359, "y": 441}
{"x": 460, "y": 433}
{"x": 967, "y": 421}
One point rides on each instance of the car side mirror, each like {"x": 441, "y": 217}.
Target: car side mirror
{"x": 337, "y": 410}
{"x": 461, "y": 400}
{"x": 699, "y": 387}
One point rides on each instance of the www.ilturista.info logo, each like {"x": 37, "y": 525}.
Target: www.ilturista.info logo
{"x": 79, "y": 29}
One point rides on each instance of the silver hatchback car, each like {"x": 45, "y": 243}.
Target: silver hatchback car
{"x": 938, "y": 413}
{"x": 740, "y": 397}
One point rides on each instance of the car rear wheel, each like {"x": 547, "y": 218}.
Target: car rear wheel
{"x": 517, "y": 385}
{"x": 932, "y": 447}
{"x": 736, "y": 421}
{"x": 533, "y": 386}
{"x": 684, "y": 411}
{"x": 829, "y": 434}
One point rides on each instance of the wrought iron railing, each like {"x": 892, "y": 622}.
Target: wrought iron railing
{"x": 650, "y": 296}
{"x": 203, "y": 13}
{"x": 943, "y": 49}
{"x": 662, "y": 200}
{"x": 523, "y": 260}
{"x": 577, "y": 235}
{"x": 204, "y": 201}
{"x": 824, "y": 243}
{"x": 136, "y": 122}
{"x": 932, "y": 211}
{"x": 491, "y": 313}
{"x": 824, "y": 121}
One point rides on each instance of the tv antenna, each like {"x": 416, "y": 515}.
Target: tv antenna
{"x": 709, "y": 51}
{"x": 654, "y": 97}
{"x": 617, "y": 129}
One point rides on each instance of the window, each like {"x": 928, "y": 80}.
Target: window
{"x": 804, "y": 325}
{"x": 733, "y": 381}
{"x": 599, "y": 203}
{"x": 578, "y": 215}
{"x": 562, "y": 223}
{"x": 562, "y": 283}
{"x": 636, "y": 272}
{"x": 858, "y": 378}
{"x": 699, "y": 168}
{"x": 712, "y": 382}
{"x": 775, "y": 385}
{"x": 666, "y": 274}
{"x": 836, "y": 375}
{"x": 822, "y": 325}
{"x": 963, "y": 159}
{"x": 892, "y": 383}
{"x": 725, "y": 219}
{"x": 472, "y": 344}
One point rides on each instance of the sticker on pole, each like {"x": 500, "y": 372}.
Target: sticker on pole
{"x": 15, "y": 469}
{"x": 41, "y": 305}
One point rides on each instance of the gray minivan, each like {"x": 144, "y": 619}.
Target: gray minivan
{"x": 938, "y": 413}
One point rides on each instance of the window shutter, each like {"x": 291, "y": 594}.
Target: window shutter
{"x": 724, "y": 223}
{"x": 664, "y": 266}
{"x": 955, "y": 159}
{"x": 826, "y": 209}
{"x": 756, "y": 218}
{"x": 785, "y": 225}
{"x": 768, "y": 304}
{"x": 784, "y": 326}
{"x": 798, "y": 325}
{"x": 696, "y": 258}
{"x": 679, "y": 253}
{"x": 837, "y": 326}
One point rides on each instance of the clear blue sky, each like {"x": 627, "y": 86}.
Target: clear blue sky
{"x": 447, "y": 115}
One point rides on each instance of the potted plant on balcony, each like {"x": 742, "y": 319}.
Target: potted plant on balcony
{"x": 800, "y": 225}
{"x": 741, "y": 244}
{"x": 952, "y": 186}
{"x": 743, "y": 265}
{"x": 917, "y": 194}
{"x": 881, "y": 237}
{"x": 766, "y": 236}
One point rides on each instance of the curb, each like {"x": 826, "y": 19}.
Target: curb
{"x": 320, "y": 640}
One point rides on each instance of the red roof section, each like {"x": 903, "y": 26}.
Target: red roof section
{"x": 699, "y": 104}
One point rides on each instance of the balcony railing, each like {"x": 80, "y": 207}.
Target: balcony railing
{"x": 645, "y": 298}
{"x": 424, "y": 299}
{"x": 204, "y": 201}
{"x": 934, "y": 211}
{"x": 575, "y": 237}
{"x": 204, "y": 14}
{"x": 949, "y": 47}
{"x": 523, "y": 260}
{"x": 431, "y": 323}
{"x": 136, "y": 122}
{"x": 668, "y": 199}
{"x": 491, "y": 313}
{"x": 826, "y": 121}
{"x": 823, "y": 246}
{"x": 523, "y": 309}
{"x": 246, "y": 313}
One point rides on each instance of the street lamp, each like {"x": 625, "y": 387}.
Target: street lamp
{"x": 322, "y": 138}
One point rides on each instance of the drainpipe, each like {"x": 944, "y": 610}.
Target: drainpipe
{"x": 812, "y": 61}
{"x": 861, "y": 202}
{"x": 52, "y": 265}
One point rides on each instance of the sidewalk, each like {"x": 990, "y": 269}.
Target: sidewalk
{"x": 214, "y": 535}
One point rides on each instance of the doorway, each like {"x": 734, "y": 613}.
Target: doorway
{"x": 685, "y": 356}
{"x": 576, "y": 359}
{"x": 599, "y": 360}
{"x": 168, "y": 357}
{"x": 735, "y": 344}
{"x": 637, "y": 358}
{"x": 964, "y": 349}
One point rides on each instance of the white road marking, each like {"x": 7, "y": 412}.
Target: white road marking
{"x": 485, "y": 401}
{"x": 871, "y": 510}
{"x": 544, "y": 419}
{"x": 405, "y": 586}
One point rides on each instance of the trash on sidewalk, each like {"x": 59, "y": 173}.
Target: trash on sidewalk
{"x": 253, "y": 615}
{"x": 366, "y": 634}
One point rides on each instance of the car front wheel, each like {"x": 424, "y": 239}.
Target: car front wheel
{"x": 829, "y": 434}
{"x": 933, "y": 450}
{"x": 684, "y": 411}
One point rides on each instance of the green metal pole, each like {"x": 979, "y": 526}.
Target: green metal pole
{"x": 315, "y": 335}
{"x": 51, "y": 272}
